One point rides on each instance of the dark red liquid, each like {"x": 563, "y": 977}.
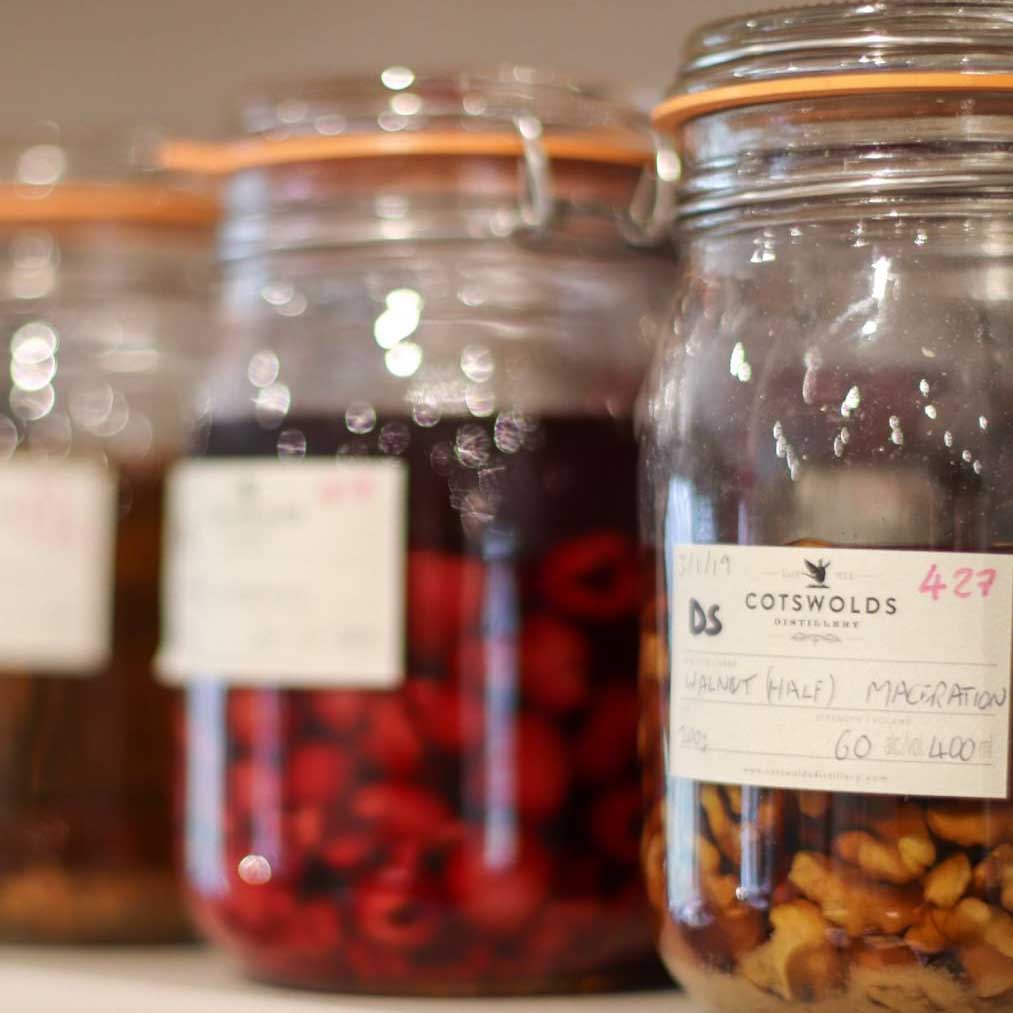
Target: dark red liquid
{"x": 476, "y": 829}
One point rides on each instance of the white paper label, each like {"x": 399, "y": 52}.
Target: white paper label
{"x": 57, "y": 557}
{"x": 878, "y": 671}
{"x": 286, "y": 573}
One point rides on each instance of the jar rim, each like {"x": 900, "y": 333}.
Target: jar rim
{"x": 50, "y": 176}
{"x": 400, "y": 112}
{"x": 821, "y": 49}
{"x": 680, "y": 109}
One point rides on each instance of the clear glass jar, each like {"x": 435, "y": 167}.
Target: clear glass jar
{"x": 827, "y": 475}
{"x": 100, "y": 310}
{"x": 435, "y": 331}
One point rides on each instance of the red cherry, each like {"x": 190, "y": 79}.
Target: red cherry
{"x": 314, "y": 929}
{"x": 451, "y": 719}
{"x": 391, "y": 916}
{"x": 542, "y": 769}
{"x": 262, "y": 908}
{"x": 305, "y": 829}
{"x": 346, "y": 852}
{"x": 498, "y": 899}
{"x": 400, "y": 810}
{"x": 316, "y": 773}
{"x": 554, "y": 663}
{"x": 596, "y": 576}
{"x": 253, "y": 786}
{"x": 391, "y": 740}
{"x": 607, "y": 743}
{"x": 339, "y": 711}
{"x": 615, "y": 823}
{"x": 377, "y": 967}
{"x": 444, "y": 598}
{"x": 258, "y": 718}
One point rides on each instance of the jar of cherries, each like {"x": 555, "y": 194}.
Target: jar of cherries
{"x": 403, "y": 582}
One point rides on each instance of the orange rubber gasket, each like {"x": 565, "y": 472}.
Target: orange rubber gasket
{"x": 615, "y": 148}
{"x": 680, "y": 109}
{"x": 101, "y": 202}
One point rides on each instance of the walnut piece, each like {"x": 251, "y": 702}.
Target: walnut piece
{"x": 990, "y": 972}
{"x": 972, "y": 825}
{"x": 948, "y": 881}
{"x": 849, "y": 900}
{"x": 797, "y": 962}
{"x": 995, "y": 872}
{"x": 900, "y": 862}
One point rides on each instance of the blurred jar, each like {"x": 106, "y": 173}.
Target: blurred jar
{"x": 403, "y": 581}
{"x": 830, "y": 498}
{"x": 100, "y": 316}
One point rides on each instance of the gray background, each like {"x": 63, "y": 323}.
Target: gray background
{"x": 182, "y": 63}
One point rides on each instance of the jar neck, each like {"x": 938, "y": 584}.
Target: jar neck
{"x": 871, "y": 155}
{"x": 365, "y": 201}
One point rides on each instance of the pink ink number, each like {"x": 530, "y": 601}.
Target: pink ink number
{"x": 933, "y": 583}
{"x": 986, "y": 581}
{"x": 963, "y": 577}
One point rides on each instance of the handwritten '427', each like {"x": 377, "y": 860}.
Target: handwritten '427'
{"x": 964, "y": 583}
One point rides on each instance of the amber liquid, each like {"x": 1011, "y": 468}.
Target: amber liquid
{"x": 86, "y": 842}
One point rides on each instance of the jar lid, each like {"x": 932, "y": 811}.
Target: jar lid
{"x": 840, "y": 49}
{"x": 48, "y": 177}
{"x": 399, "y": 112}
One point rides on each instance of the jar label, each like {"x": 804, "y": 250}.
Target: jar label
{"x": 285, "y": 573}
{"x": 873, "y": 671}
{"x": 57, "y": 557}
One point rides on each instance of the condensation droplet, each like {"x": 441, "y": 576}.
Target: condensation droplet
{"x": 472, "y": 446}
{"x": 360, "y": 417}
{"x": 29, "y": 405}
{"x": 948, "y": 438}
{"x": 425, "y": 413}
{"x": 394, "y": 438}
{"x": 967, "y": 456}
{"x": 481, "y": 401}
{"x": 263, "y": 368}
{"x": 271, "y": 405}
{"x": 8, "y": 437}
{"x": 441, "y": 458}
{"x": 924, "y": 387}
{"x": 477, "y": 363}
{"x": 982, "y": 423}
{"x": 291, "y": 444}
{"x": 930, "y": 410}
{"x": 509, "y": 432}
{"x": 977, "y": 466}
{"x": 255, "y": 870}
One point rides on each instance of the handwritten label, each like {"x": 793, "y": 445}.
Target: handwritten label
{"x": 877, "y": 671}
{"x": 57, "y": 545}
{"x": 285, "y": 573}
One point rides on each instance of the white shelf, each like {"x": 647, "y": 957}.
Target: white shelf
{"x": 193, "y": 980}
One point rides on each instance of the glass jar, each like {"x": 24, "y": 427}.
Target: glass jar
{"x": 98, "y": 310}
{"x": 829, "y": 500}
{"x": 403, "y": 579}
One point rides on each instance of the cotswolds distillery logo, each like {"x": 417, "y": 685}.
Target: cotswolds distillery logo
{"x": 818, "y": 574}
{"x": 809, "y": 607}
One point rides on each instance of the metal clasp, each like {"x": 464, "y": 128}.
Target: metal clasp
{"x": 537, "y": 202}
{"x": 649, "y": 218}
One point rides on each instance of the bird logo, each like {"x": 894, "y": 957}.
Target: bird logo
{"x": 818, "y": 573}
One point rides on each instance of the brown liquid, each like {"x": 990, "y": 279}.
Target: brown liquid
{"x": 86, "y": 845}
